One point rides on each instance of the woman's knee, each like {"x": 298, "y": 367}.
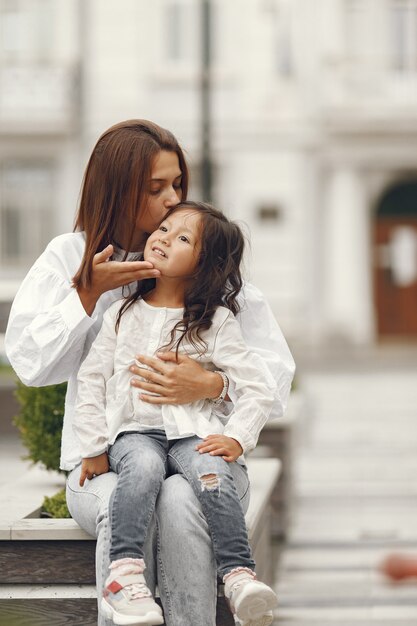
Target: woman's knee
{"x": 177, "y": 506}
{"x": 89, "y": 504}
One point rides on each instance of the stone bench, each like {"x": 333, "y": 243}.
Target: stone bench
{"x": 42, "y": 583}
{"x": 279, "y": 439}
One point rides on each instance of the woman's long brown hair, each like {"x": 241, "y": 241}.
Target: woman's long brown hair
{"x": 115, "y": 184}
{"x": 216, "y": 282}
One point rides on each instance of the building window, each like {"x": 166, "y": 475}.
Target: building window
{"x": 181, "y": 32}
{"x": 269, "y": 213}
{"x": 358, "y": 35}
{"x": 284, "y": 61}
{"x": 26, "y": 30}
{"x": 403, "y": 20}
{"x": 175, "y": 43}
{"x": 26, "y": 212}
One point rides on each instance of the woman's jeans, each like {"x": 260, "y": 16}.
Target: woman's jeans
{"x": 141, "y": 460}
{"x": 178, "y": 548}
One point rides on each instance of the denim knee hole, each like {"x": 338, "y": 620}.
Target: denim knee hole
{"x": 209, "y": 482}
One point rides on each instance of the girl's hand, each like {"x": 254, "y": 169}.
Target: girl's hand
{"x": 221, "y": 445}
{"x": 107, "y": 275}
{"x": 175, "y": 381}
{"x": 94, "y": 467}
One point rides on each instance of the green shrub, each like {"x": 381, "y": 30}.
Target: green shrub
{"x": 55, "y": 506}
{"x": 40, "y": 422}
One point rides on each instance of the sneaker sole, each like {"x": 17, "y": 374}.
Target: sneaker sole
{"x": 264, "y": 620}
{"x": 150, "y": 619}
{"x": 256, "y": 609}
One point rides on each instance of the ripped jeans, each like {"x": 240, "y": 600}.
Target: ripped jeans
{"x": 142, "y": 460}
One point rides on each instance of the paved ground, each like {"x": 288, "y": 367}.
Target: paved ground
{"x": 355, "y": 491}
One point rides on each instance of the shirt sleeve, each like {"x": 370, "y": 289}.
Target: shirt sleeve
{"x": 47, "y": 326}
{"x": 254, "y": 385}
{"x": 264, "y": 337}
{"x": 89, "y": 422}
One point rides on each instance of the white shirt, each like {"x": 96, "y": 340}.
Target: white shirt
{"x": 49, "y": 333}
{"x": 107, "y": 404}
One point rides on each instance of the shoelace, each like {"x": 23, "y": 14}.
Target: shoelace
{"x": 137, "y": 591}
{"x": 238, "y": 583}
{"x": 235, "y": 586}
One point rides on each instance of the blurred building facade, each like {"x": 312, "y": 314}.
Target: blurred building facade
{"x": 314, "y": 138}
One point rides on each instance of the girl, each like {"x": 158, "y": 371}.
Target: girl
{"x": 135, "y": 174}
{"x": 188, "y": 308}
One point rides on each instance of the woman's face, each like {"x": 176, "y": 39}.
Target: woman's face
{"x": 164, "y": 191}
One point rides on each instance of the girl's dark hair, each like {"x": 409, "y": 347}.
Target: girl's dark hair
{"x": 114, "y": 187}
{"x": 216, "y": 281}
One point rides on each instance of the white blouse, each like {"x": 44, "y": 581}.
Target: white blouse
{"x": 49, "y": 333}
{"x": 107, "y": 404}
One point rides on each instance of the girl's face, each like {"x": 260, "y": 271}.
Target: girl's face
{"x": 174, "y": 248}
{"x": 164, "y": 191}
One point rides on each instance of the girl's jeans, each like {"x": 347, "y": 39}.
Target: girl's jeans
{"x": 178, "y": 549}
{"x": 141, "y": 460}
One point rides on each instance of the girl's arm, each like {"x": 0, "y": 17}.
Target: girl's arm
{"x": 94, "y": 467}
{"x": 89, "y": 422}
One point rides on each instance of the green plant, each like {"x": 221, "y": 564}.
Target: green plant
{"x": 55, "y": 506}
{"x": 40, "y": 422}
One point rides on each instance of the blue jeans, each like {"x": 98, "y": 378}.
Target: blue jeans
{"x": 142, "y": 460}
{"x": 187, "y": 583}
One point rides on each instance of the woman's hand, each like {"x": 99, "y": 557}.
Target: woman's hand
{"x": 221, "y": 445}
{"x": 94, "y": 467}
{"x": 107, "y": 275}
{"x": 176, "y": 381}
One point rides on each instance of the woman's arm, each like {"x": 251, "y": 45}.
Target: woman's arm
{"x": 49, "y": 319}
{"x": 187, "y": 381}
{"x": 47, "y": 329}
{"x": 107, "y": 275}
{"x": 263, "y": 336}
{"x": 177, "y": 381}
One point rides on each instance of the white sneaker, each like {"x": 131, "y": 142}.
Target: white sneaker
{"x": 250, "y": 600}
{"x": 127, "y": 600}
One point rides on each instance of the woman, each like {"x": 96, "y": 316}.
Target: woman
{"x": 136, "y": 172}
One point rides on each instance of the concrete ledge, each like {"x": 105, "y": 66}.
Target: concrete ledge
{"x": 21, "y": 498}
{"x": 47, "y": 566}
{"x": 50, "y": 529}
{"x": 279, "y": 439}
{"x": 41, "y": 592}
